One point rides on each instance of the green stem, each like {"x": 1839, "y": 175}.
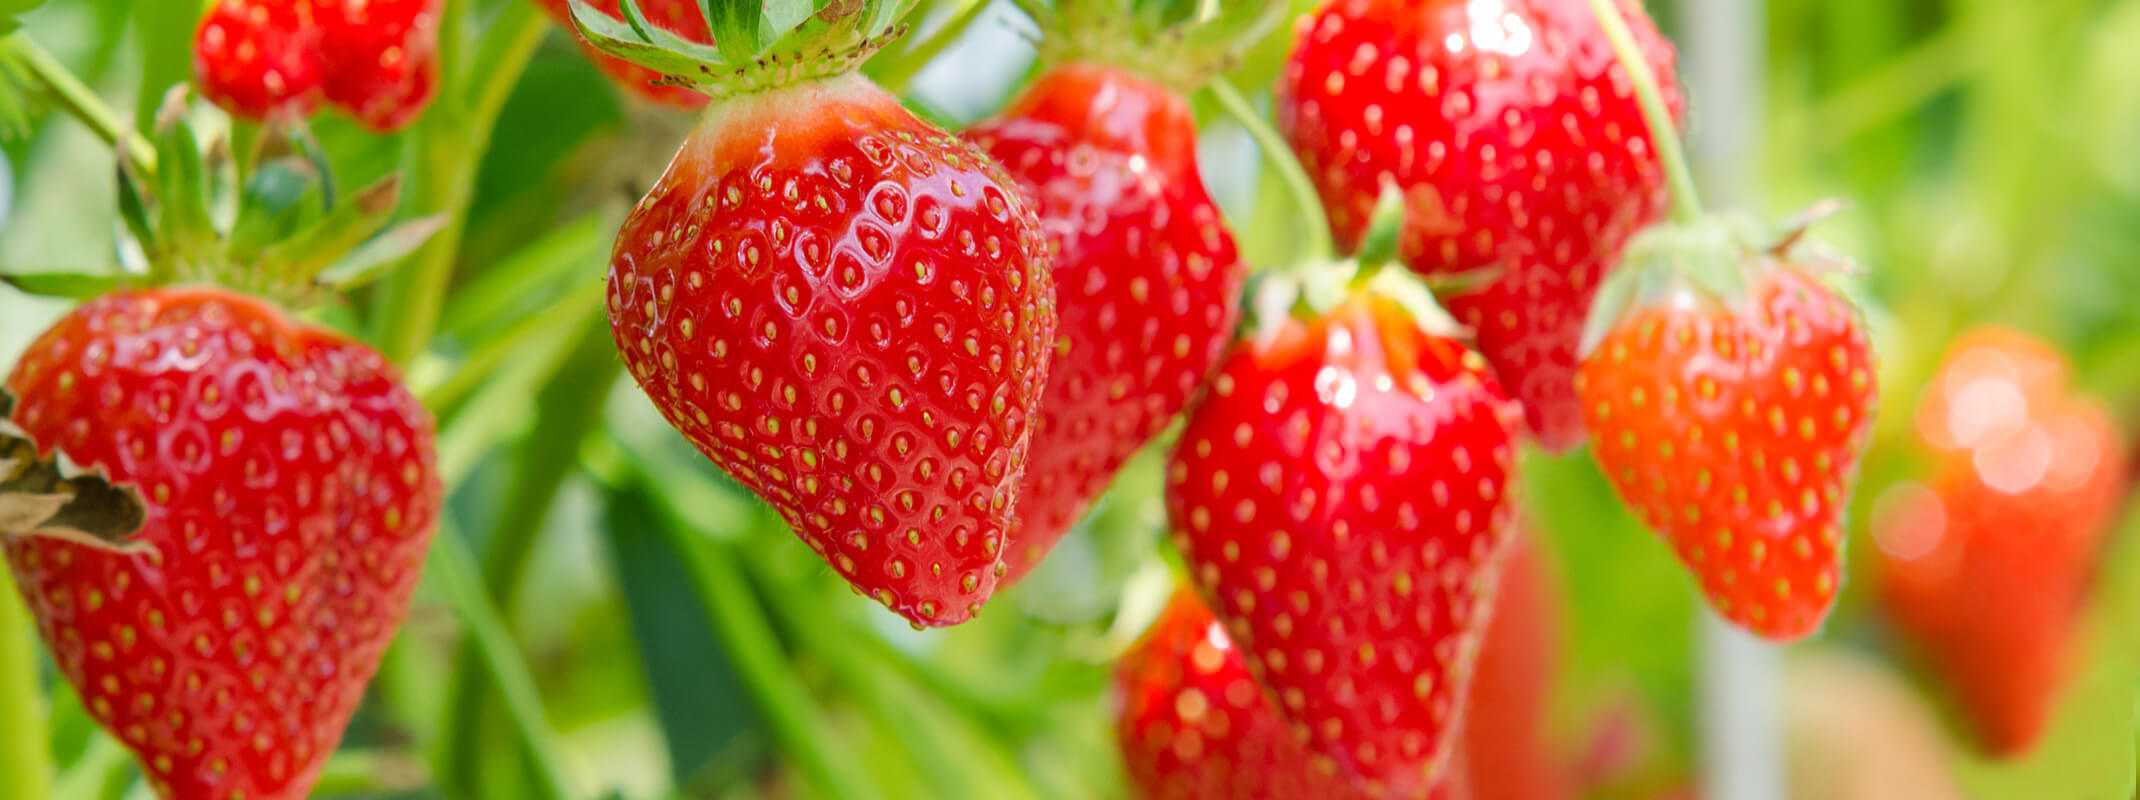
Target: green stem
{"x": 441, "y": 169}
{"x": 369, "y": 773}
{"x": 1664, "y": 136}
{"x": 485, "y": 359}
{"x": 25, "y": 763}
{"x": 462, "y": 580}
{"x": 740, "y": 623}
{"x": 82, "y": 102}
{"x": 896, "y": 71}
{"x": 1320, "y": 247}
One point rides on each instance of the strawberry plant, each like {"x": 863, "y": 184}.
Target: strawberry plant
{"x": 1255, "y": 398}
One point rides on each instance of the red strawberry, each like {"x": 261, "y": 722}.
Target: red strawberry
{"x": 1520, "y": 147}
{"x": 1987, "y": 571}
{"x": 377, "y": 59}
{"x": 1342, "y": 496}
{"x": 1505, "y": 747}
{"x": 850, "y": 312}
{"x": 257, "y": 58}
{"x": 1193, "y": 724}
{"x": 290, "y": 494}
{"x": 1147, "y": 279}
{"x": 384, "y": 58}
{"x": 1733, "y": 428}
{"x": 680, "y": 17}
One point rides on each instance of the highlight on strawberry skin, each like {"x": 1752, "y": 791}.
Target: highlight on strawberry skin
{"x": 1068, "y": 399}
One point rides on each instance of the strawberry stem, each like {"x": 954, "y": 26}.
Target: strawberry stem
{"x": 1320, "y": 247}
{"x": 25, "y": 764}
{"x": 1664, "y": 136}
{"x": 80, "y": 101}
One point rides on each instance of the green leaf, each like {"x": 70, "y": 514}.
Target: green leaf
{"x": 10, "y": 9}
{"x": 303, "y": 255}
{"x": 183, "y": 186}
{"x": 369, "y": 261}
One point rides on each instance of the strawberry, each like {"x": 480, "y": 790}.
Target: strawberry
{"x": 290, "y": 494}
{"x": 844, "y": 307}
{"x": 1732, "y": 420}
{"x": 1193, "y": 724}
{"x": 680, "y": 17}
{"x": 1986, "y": 571}
{"x": 1342, "y": 497}
{"x": 376, "y": 59}
{"x": 1147, "y": 277}
{"x": 1504, "y": 747}
{"x": 1521, "y": 150}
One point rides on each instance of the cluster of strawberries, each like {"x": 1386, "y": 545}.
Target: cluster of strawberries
{"x": 931, "y": 354}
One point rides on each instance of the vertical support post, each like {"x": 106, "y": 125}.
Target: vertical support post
{"x": 1724, "y": 62}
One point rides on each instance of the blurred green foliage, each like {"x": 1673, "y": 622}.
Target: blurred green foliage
{"x": 678, "y": 642}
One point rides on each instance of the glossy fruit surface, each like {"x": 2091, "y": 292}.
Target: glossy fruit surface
{"x": 1736, "y": 436}
{"x": 1147, "y": 278}
{"x": 376, "y": 59}
{"x": 1520, "y": 148}
{"x": 1193, "y": 724}
{"x": 1342, "y": 498}
{"x": 1987, "y": 569}
{"x": 850, "y": 312}
{"x": 681, "y": 17}
{"x": 291, "y": 494}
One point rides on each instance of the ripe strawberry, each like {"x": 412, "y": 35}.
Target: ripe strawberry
{"x": 1520, "y": 147}
{"x": 1987, "y": 571}
{"x": 1148, "y": 281}
{"x": 850, "y": 312}
{"x": 680, "y": 17}
{"x": 1342, "y": 496}
{"x": 290, "y": 493}
{"x": 384, "y": 58}
{"x": 1733, "y": 428}
{"x": 257, "y": 58}
{"x": 377, "y": 59}
{"x": 1504, "y": 746}
{"x": 1193, "y": 724}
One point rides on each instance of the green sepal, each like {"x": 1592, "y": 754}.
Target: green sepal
{"x": 65, "y": 285}
{"x": 659, "y": 51}
{"x": 186, "y": 229}
{"x": 1180, "y": 43}
{"x": 273, "y": 204}
{"x": 1385, "y": 226}
{"x": 372, "y": 259}
{"x": 300, "y": 258}
{"x": 757, "y": 45}
{"x": 134, "y": 209}
{"x": 734, "y": 24}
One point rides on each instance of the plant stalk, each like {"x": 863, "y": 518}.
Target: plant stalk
{"x": 1320, "y": 247}
{"x": 82, "y": 103}
{"x": 1664, "y": 136}
{"x": 457, "y": 572}
{"x": 25, "y": 762}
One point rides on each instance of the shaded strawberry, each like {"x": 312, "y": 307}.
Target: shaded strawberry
{"x": 1342, "y": 496}
{"x": 1986, "y": 571}
{"x": 680, "y": 17}
{"x": 290, "y": 493}
{"x": 1519, "y": 145}
{"x": 1505, "y": 747}
{"x": 1147, "y": 277}
{"x": 1193, "y": 724}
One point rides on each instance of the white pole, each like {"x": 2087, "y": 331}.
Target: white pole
{"x": 1725, "y": 58}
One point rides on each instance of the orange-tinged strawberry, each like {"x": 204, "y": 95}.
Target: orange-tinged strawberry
{"x": 1733, "y": 425}
{"x": 1342, "y": 496}
{"x": 1147, "y": 279}
{"x": 1986, "y": 570}
{"x": 291, "y": 492}
{"x": 1519, "y": 145}
{"x": 850, "y": 312}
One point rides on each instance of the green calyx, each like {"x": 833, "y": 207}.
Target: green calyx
{"x": 757, "y": 45}
{"x": 1714, "y": 262}
{"x": 267, "y": 222}
{"x": 1180, "y": 43}
{"x": 1314, "y": 289}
